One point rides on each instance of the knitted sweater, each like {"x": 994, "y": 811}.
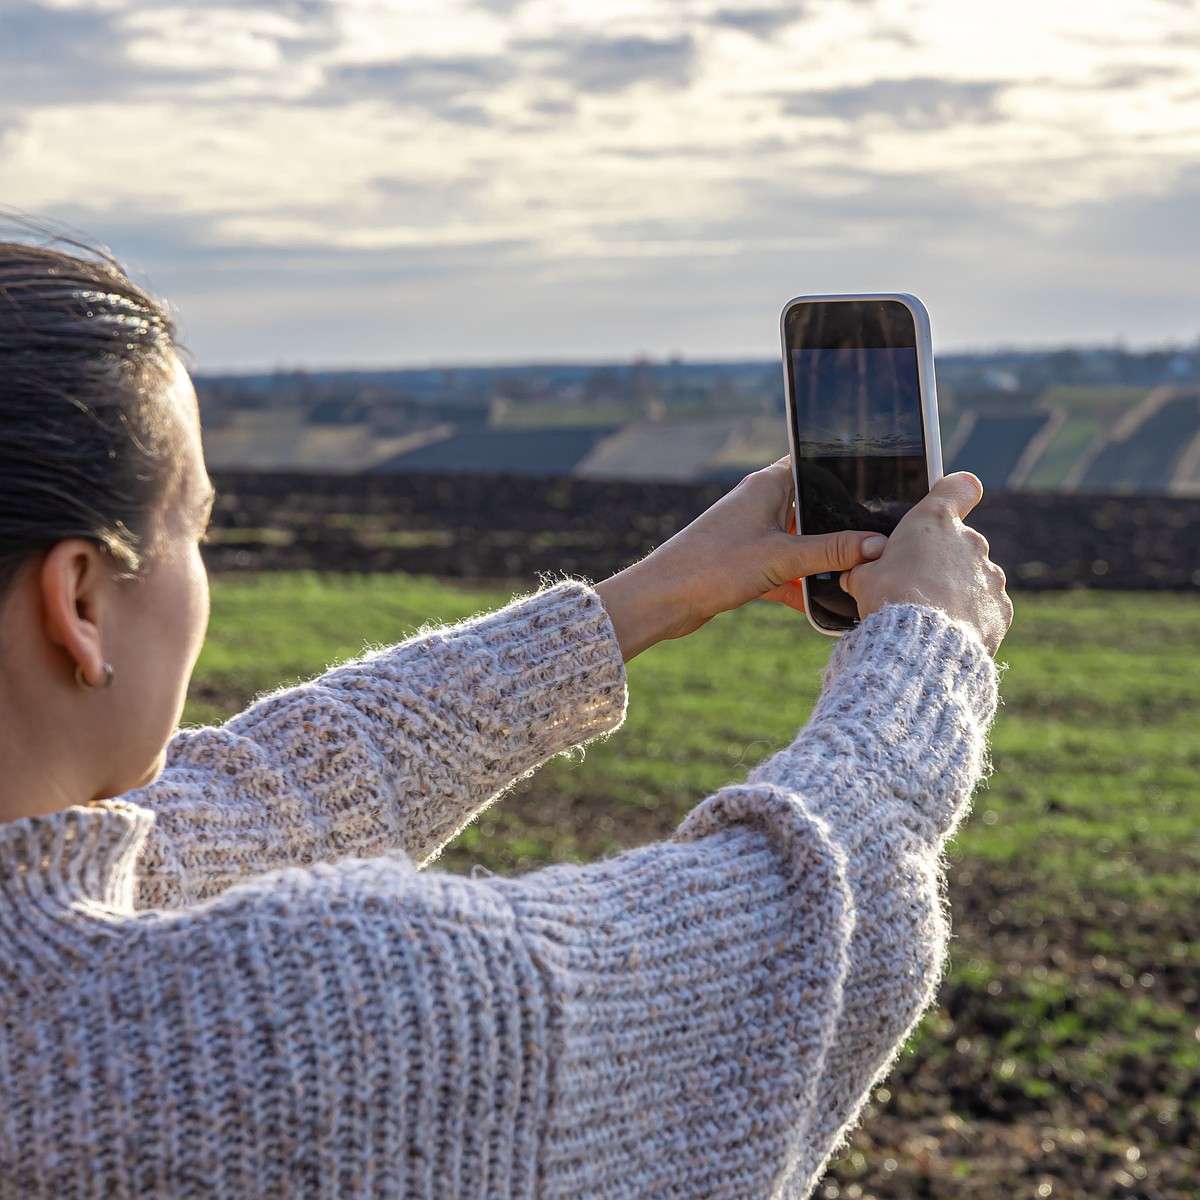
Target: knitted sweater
{"x": 236, "y": 983}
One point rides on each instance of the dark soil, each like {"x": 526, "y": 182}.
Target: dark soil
{"x": 965, "y": 1113}
{"x": 501, "y": 527}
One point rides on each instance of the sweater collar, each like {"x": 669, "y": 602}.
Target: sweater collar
{"x": 61, "y": 875}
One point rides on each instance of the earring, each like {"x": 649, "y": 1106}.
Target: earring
{"x": 94, "y": 687}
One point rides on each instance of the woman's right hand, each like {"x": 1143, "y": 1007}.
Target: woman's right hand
{"x": 933, "y": 559}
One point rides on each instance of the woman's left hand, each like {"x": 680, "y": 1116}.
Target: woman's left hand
{"x": 739, "y": 550}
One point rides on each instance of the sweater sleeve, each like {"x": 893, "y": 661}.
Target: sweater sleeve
{"x": 397, "y": 750}
{"x": 700, "y": 1017}
{"x": 888, "y": 762}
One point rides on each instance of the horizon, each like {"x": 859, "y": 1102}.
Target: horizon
{"x": 640, "y": 358}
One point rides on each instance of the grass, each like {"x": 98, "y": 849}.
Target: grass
{"x": 593, "y": 413}
{"x": 1095, "y": 749}
{"x": 1111, "y": 402}
{"x": 1089, "y": 410}
{"x": 275, "y": 629}
{"x": 1062, "y": 452}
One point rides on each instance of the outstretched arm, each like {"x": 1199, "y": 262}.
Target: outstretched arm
{"x": 889, "y": 769}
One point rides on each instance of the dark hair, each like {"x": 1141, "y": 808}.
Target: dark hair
{"x": 87, "y": 447}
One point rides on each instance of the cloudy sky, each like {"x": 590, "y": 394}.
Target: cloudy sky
{"x": 372, "y": 182}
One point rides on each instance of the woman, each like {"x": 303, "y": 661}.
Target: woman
{"x": 224, "y": 974}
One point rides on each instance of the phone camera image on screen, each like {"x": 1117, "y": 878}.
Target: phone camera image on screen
{"x": 859, "y": 426}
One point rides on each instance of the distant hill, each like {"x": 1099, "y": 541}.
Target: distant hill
{"x": 501, "y": 451}
{"x": 1067, "y": 421}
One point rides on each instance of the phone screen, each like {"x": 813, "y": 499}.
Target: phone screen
{"x": 859, "y": 427}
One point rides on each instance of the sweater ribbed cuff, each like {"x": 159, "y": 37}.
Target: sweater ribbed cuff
{"x": 922, "y": 642}
{"x": 910, "y": 695}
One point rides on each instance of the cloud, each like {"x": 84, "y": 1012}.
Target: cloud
{"x": 143, "y": 52}
{"x": 658, "y": 285}
{"x": 614, "y": 64}
{"x": 758, "y": 22}
{"x": 503, "y": 7}
{"x": 49, "y": 55}
{"x": 553, "y": 107}
{"x": 1159, "y": 226}
{"x": 846, "y": 212}
{"x": 223, "y": 40}
{"x": 915, "y": 104}
{"x": 443, "y": 86}
{"x": 1131, "y": 76}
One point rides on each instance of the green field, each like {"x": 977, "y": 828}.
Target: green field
{"x": 1088, "y": 412}
{"x": 1065, "y": 1052}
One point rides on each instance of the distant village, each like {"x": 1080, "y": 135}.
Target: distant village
{"x": 1069, "y": 420}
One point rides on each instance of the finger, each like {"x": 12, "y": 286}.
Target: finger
{"x": 812, "y": 554}
{"x": 857, "y": 581}
{"x": 790, "y": 593}
{"x": 848, "y": 580}
{"x": 781, "y": 466}
{"x": 960, "y": 492}
{"x": 772, "y": 487}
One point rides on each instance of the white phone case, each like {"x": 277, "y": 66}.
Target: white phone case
{"x": 925, "y": 379}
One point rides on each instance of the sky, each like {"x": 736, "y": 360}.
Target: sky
{"x": 339, "y": 183}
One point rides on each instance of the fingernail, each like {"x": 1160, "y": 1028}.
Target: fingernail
{"x": 873, "y": 546}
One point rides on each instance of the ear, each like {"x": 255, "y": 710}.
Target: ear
{"x": 76, "y": 582}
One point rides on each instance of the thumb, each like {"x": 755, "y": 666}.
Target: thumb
{"x": 816, "y": 553}
{"x": 959, "y": 492}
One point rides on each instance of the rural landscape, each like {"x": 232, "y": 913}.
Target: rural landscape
{"x": 1097, "y": 420}
{"x": 481, "y": 294}
{"x": 1063, "y": 1056}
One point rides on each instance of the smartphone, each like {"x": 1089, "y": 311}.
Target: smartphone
{"x": 862, "y": 423}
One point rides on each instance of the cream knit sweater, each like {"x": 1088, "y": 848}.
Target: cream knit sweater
{"x": 237, "y": 983}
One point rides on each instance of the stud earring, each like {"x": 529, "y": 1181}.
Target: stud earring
{"x": 94, "y": 687}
